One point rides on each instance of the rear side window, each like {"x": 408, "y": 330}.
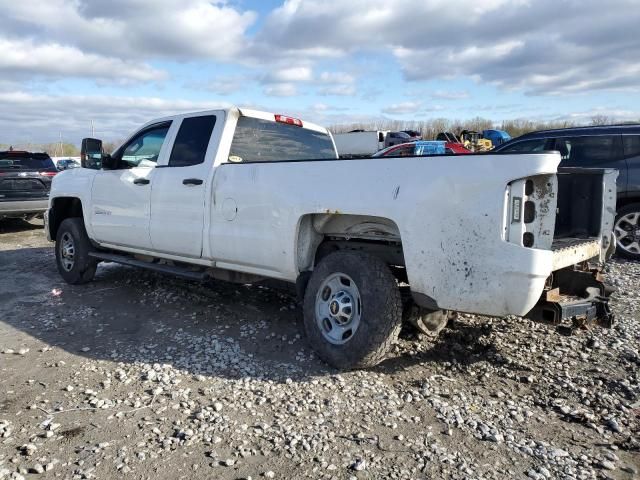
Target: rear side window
{"x": 192, "y": 140}
{"x": 577, "y": 151}
{"x": 631, "y": 145}
{"x": 527, "y": 146}
{"x": 257, "y": 140}
{"x": 25, "y": 161}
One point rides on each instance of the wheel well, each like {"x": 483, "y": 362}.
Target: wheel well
{"x": 321, "y": 234}
{"x": 624, "y": 201}
{"x": 61, "y": 209}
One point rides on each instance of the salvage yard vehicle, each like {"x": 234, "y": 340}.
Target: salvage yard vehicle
{"x": 244, "y": 196}
{"x": 359, "y": 143}
{"x": 25, "y": 180}
{"x": 422, "y": 148}
{"x": 606, "y": 146}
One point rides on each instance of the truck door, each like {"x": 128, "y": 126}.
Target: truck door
{"x": 120, "y": 209}
{"x": 178, "y": 194}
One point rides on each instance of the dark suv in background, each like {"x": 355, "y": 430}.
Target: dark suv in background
{"x": 25, "y": 182}
{"x": 614, "y": 146}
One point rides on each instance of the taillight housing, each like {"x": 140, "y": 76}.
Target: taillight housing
{"x": 530, "y": 211}
{"x": 48, "y": 174}
{"x": 288, "y": 120}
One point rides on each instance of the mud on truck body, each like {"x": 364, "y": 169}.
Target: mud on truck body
{"x": 245, "y": 196}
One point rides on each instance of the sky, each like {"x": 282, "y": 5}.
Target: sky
{"x": 68, "y": 64}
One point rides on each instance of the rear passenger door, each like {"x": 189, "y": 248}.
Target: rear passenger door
{"x": 179, "y": 192}
{"x": 631, "y": 147}
{"x": 597, "y": 151}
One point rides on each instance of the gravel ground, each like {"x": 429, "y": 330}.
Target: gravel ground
{"x": 139, "y": 375}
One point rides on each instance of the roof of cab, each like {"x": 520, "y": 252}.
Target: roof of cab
{"x": 240, "y": 111}
{"x": 629, "y": 128}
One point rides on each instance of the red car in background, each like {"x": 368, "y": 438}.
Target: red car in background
{"x": 408, "y": 150}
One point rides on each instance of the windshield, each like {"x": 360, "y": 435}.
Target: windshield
{"x": 257, "y": 140}
{"x": 25, "y": 161}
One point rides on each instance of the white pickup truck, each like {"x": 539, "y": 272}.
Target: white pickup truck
{"x": 245, "y": 196}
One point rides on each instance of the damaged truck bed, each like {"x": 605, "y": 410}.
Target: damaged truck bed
{"x": 575, "y": 294}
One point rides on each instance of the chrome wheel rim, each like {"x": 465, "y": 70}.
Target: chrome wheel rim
{"x": 338, "y": 308}
{"x": 67, "y": 251}
{"x": 627, "y": 231}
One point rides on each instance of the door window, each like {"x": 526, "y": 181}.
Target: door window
{"x": 579, "y": 151}
{"x": 631, "y": 146}
{"x": 144, "y": 149}
{"x": 192, "y": 140}
{"x": 526, "y": 146}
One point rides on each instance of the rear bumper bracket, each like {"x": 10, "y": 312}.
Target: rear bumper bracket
{"x": 574, "y": 299}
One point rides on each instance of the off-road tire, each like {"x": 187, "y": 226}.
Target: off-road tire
{"x": 84, "y": 267}
{"x": 381, "y": 311}
{"x": 627, "y": 209}
{"x": 428, "y": 322}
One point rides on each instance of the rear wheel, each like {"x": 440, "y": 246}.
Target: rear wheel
{"x": 627, "y": 231}
{"x": 72, "y": 252}
{"x": 352, "y": 310}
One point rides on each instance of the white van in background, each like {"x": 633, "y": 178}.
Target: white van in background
{"x": 360, "y": 143}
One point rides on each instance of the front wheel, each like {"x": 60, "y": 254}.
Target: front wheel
{"x": 627, "y": 231}
{"x": 72, "y": 252}
{"x": 352, "y": 310}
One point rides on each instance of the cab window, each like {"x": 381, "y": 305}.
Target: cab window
{"x": 144, "y": 149}
{"x": 257, "y": 140}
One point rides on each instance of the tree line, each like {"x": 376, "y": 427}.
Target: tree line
{"x": 430, "y": 128}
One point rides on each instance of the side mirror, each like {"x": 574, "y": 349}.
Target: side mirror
{"x": 91, "y": 153}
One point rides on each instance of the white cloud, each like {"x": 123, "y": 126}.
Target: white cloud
{"x": 281, "y": 90}
{"x": 290, "y": 74}
{"x": 450, "y": 95}
{"x": 402, "y": 108}
{"x": 175, "y": 29}
{"x": 19, "y": 58}
{"x": 339, "y": 90}
{"x": 222, "y": 85}
{"x": 500, "y": 42}
{"x": 41, "y": 118}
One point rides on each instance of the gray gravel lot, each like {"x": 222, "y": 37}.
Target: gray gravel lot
{"x": 139, "y": 375}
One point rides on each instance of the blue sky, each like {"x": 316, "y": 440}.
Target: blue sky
{"x": 65, "y": 63}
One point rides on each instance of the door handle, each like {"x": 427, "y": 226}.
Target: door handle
{"x": 141, "y": 181}
{"x": 192, "y": 181}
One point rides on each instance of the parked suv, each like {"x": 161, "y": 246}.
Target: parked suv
{"x": 614, "y": 146}
{"x": 25, "y": 181}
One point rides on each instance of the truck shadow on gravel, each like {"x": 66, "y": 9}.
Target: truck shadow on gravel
{"x": 17, "y": 225}
{"x": 220, "y": 329}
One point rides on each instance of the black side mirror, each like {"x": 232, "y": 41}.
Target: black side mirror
{"x": 108, "y": 162}
{"x": 91, "y": 153}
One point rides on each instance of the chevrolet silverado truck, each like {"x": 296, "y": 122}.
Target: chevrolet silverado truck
{"x": 241, "y": 195}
